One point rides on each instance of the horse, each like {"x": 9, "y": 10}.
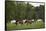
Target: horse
{"x": 19, "y": 22}
{"x": 29, "y": 21}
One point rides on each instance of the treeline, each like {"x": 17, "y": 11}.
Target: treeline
{"x": 22, "y": 10}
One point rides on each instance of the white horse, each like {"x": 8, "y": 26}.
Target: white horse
{"x": 13, "y": 21}
{"x": 24, "y": 21}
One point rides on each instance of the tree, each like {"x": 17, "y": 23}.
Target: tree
{"x": 40, "y": 12}
{"x": 10, "y": 10}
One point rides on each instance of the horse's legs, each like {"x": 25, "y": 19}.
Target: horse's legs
{"x": 21, "y": 23}
{"x": 16, "y": 23}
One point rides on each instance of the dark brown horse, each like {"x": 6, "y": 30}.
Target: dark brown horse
{"x": 19, "y": 21}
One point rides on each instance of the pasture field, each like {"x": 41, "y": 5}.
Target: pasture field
{"x": 35, "y": 25}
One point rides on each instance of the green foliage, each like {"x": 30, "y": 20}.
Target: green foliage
{"x": 21, "y": 10}
{"x": 10, "y": 10}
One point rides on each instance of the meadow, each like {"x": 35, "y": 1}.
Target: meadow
{"x": 35, "y": 25}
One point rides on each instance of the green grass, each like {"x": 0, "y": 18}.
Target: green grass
{"x": 35, "y": 25}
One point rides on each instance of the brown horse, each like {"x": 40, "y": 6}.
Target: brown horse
{"x": 28, "y": 21}
{"x": 19, "y": 21}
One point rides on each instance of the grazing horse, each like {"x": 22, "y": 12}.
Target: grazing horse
{"x": 24, "y": 21}
{"x": 28, "y": 21}
{"x": 19, "y": 22}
